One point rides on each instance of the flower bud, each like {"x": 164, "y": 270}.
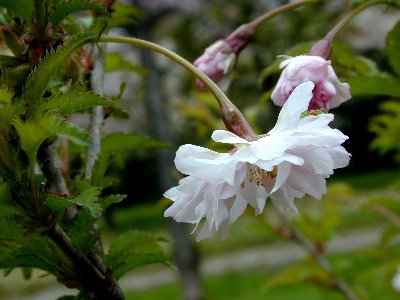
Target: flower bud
{"x": 328, "y": 92}
{"x": 220, "y": 58}
{"x": 217, "y": 61}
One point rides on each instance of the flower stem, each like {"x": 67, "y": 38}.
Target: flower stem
{"x": 347, "y": 19}
{"x": 231, "y": 115}
{"x": 278, "y": 11}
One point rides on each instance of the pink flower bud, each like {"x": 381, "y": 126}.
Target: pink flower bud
{"x": 217, "y": 61}
{"x": 220, "y": 58}
{"x": 328, "y": 92}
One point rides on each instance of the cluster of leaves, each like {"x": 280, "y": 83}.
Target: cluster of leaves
{"x": 44, "y": 75}
{"x": 387, "y": 125}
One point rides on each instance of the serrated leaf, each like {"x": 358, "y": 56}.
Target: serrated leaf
{"x": 68, "y": 102}
{"x": 377, "y": 84}
{"x": 89, "y": 198}
{"x": 123, "y": 141}
{"x": 35, "y": 251}
{"x": 57, "y": 204}
{"x": 393, "y": 48}
{"x": 387, "y": 126}
{"x": 69, "y": 130}
{"x": 39, "y": 78}
{"x": 111, "y": 199}
{"x": 116, "y": 62}
{"x": 6, "y": 94}
{"x": 33, "y": 133}
{"x": 19, "y": 8}
{"x": 69, "y": 7}
{"x": 134, "y": 249}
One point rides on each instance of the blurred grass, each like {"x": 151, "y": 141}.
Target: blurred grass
{"x": 243, "y": 286}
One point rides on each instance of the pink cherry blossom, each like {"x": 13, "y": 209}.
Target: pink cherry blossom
{"x": 291, "y": 160}
{"x": 328, "y": 92}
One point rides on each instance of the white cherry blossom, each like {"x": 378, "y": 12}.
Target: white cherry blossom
{"x": 291, "y": 160}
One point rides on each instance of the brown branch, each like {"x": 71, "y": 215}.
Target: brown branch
{"x": 92, "y": 276}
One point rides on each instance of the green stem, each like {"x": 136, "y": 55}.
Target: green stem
{"x": 41, "y": 17}
{"x": 221, "y": 97}
{"x": 232, "y": 117}
{"x": 349, "y": 17}
{"x": 278, "y": 11}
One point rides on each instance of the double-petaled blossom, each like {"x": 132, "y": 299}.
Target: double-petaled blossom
{"x": 328, "y": 92}
{"x": 219, "y": 59}
{"x": 291, "y": 160}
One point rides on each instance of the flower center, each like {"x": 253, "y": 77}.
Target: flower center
{"x": 258, "y": 176}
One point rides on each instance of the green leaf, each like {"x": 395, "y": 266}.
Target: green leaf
{"x": 39, "y": 78}
{"x": 35, "y": 251}
{"x": 134, "y": 249}
{"x": 6, "y": 94}
{"x": 68, "y": 130}
{"x": 299, "y": 273}
{"x": 378, "y": 84}
{"x": 387, "y": 127}
{"x": 19, "y": 8}
{"x": 346, "y": 62}
{"x": 117, "y": 142}
{"x": 57, "y": 204}
{"x": 80, "y": 230}
{"x": 116, "y": 62}
{"x": 33, "y": 133}
{"x": 66, "y": 8}
{"x": 111, "y": 199}
{"x": 393, "y": 48}
{"x": 11, "y": 61}
{"x": 68, "y": 102}
{"x": 89, "y": 198}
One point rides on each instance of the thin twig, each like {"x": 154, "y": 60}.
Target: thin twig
{"x": 97, "y": 116}
{"x": 307, "y": 245}
{"x": 51, "y": 169}
{"x": 388, "y": 214}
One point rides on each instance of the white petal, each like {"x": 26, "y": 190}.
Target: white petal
{"x": 284, "y": 201}
{"x": 239, "y": 206}
{"x": 282, "y": 175}
{"x": 254, "y": 195}
{"x": 296, "y": 104}
{"x": 226, "y": 137}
